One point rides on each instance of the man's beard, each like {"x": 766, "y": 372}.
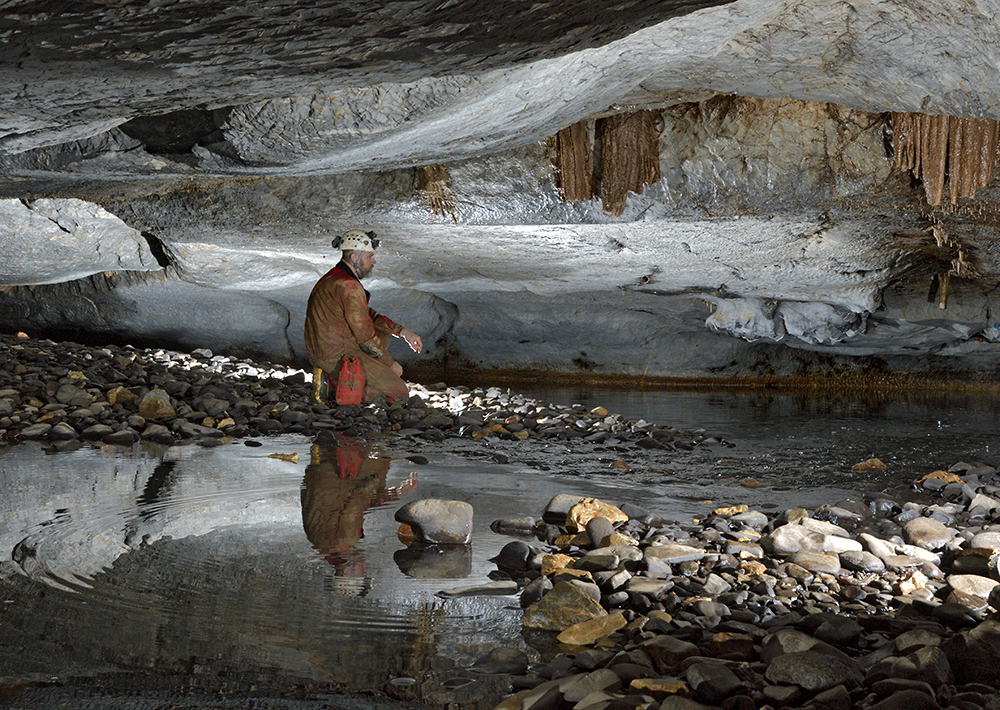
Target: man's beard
{"x": 360, "y": 270}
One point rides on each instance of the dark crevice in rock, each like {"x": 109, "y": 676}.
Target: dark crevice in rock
{"x": 158, "y": 250}
{"x": 179, "y": 132}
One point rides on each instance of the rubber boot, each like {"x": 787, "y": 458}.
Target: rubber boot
{"x": 321, "y": 392}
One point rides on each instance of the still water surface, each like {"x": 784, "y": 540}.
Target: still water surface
{"x": 226, "y": 560}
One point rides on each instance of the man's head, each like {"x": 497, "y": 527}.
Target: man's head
{"x": 359, "y": 250}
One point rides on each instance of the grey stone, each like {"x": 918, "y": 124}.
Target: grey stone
{"x": 927, "y": 664}
{"x": 668, "y": 653}
{"x": 502, "y": 659}
{"x": 825, "y": 562}
{"x": 513, "y": 557}
{"x": 599, "y": 680}
{"x": 192, "y": 430}
{"x": 839, "y": 631}
{"x": 750, "y": 519}
{"x": 598, "y": 528}
{"x": 674, "y": 553}
{"x": 907, "y": 699}
{"x": 63, "y": 432}
{"x": 790, "y": 538}
{"x": 558, "y": 508}
{"x": 988, "y": 538}
{"x": 861, "y": 561}
{"x": 813, "y": 671}
{"x": 972, "y": 584}
{"x": 124, "y": 437}
{"x": 96, "y": 432}
{"x": 927, "y": 533}
{"x": 974, "y": 654}
{"x": 712, "y": 682}
{"x": 36, "y": 431}
{"x": 437, "y": 521}
{"x": 481, "y": 590}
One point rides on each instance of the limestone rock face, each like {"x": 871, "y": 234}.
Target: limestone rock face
{"x": 48, "y": 241}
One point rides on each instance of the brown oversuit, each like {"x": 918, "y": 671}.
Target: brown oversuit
{"x": 339, "y": 322}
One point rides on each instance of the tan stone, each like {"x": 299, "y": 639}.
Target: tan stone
{"x": 155, "y": 404}
{"x": 752, "y": 483}
{"x": 661, "y": 688}
{"x": 752, "y": 568}
{"x": 119, "y": 394}
{"x": 570, "y": 573}
{"x": 578, "y": 539}
{"x": 588, "y": 508}
{"x": 942, "y": 476}
{"x": 729, "y": 643}
{"x": 732, "y": 510}
{"x": 599, "y": 412}
{"x": 561, "y": 608}
{"x": 513, "y": 702}
{"x": 588, "y": 632}
{"x": 869, "y": 465}
{"x": 911, "y": 582}
{"x": 227, "y": 422}
{"x": 617, "y": 538}
{"x": 291, "y": 458}
{"x": 553, "y": 563}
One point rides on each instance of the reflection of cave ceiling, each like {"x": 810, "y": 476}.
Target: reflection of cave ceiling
{"x": 205, "y": 152}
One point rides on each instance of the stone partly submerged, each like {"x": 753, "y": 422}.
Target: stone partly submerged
{"x": 438, "y": 522}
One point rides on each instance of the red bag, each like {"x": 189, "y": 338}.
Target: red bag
{"x": 351, "y": 383}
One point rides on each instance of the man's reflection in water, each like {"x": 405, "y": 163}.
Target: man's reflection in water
{"x": 341, "y": 483}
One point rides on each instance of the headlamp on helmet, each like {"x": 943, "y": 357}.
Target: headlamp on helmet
{"x": 356, "y": 240}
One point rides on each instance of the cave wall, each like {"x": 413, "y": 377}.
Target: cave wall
{"x": 771, "y": 244}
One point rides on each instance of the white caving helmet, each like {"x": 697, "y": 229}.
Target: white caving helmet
{"x": 356, "y": 240}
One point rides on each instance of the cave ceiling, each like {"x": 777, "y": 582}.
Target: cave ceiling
{"x": 164, "y": 162}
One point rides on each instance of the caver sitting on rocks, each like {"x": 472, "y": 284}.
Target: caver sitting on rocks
{"x": 339, "y": 322}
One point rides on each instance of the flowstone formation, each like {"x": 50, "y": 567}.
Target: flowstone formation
{"x": 654, "y": 189}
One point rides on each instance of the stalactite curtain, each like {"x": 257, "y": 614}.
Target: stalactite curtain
{"x": 630, "y": 156}
{"x": 937, "y": 149}
{"x": 572, "y": 153}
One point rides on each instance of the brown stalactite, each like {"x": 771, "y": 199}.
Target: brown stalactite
{"x": 435, "y": 181}
{"x": 938, "y": 148}
{"x": 572, "y": 155}
{"x": 630, "y": 156}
